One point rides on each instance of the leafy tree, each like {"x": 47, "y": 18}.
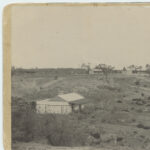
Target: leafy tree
{"x": 131, "y": 67}
{"x": 86, "y": 66}
{"x": 106, "y": 69}
{"x": 13, "y": 70}
{"x": 124, "y": 69}
{"x": 135, "y": 68}
{"x": 147, "y": 66}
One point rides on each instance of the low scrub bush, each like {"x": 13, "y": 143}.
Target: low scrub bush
{"x": 65, "y": 132}
{"x": 143, "y": 126}
{"x": 142, "y": 94}
{"x": 23, "y": 124}
{"x": 59, "y": 130}
{"x": 56, "y": 77}
{"x": 140, "y": 110}
{"x": 109, "y": 87}
{"x": 137, "y": 82}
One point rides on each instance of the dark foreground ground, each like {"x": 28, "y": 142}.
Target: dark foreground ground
{"x": 35, "y": 146}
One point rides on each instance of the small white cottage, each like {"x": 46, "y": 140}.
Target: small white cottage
{"x": 61, "y": 104}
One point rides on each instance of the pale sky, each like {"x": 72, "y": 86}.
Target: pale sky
{"x": 66, "y": 36}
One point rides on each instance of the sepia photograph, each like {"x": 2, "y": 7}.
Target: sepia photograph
{"x": 77, "y": 76}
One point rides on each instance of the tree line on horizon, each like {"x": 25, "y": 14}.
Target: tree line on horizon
{"x": 106, "y": 69}
{"x": 88, "y": 65}
{"x": 101, "y": 66}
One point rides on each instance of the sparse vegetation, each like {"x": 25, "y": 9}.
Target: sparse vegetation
{"x": 111, "y": 117}
{"x": 58, "y": 130}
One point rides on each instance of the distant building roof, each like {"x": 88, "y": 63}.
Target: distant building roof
{"x": 98, "y": 70}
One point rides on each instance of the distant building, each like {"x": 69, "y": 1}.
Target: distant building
{"x": 134, "y": 71}
{"x": 116, "y": 71}
{"x": 95, "y": 71}
{"x": 128, "y": 71}
{"x": 61, "y": 104}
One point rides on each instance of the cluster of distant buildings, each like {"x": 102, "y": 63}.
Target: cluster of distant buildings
{"x": 126, "y": 70}
{"x": 135, "y": 70}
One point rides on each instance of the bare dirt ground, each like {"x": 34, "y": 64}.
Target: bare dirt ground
{"x": 121, "y": 107}
{"x": 50, "y": 83}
